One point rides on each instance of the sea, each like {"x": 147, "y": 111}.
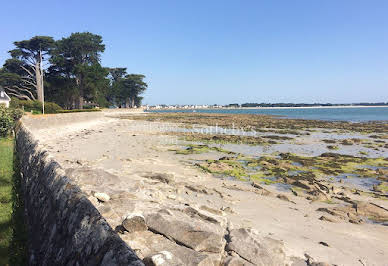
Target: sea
{"x": 351, "y": 114}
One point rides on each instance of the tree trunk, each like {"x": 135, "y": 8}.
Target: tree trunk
{"x": 79, "y": 104}
{"x": 133, "y": 102}
{"x": 39, "y": 81}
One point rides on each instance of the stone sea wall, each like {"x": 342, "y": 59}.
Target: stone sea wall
{"x": 64, "y": 228}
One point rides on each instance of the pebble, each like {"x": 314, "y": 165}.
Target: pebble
{"x": 102, "y": 196}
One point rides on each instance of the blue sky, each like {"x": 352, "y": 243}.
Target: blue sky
{"x": 209, "y": 52}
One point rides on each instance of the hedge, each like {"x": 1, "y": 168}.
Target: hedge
{"x": 8, "y": 117}
{"x": 35, "y": 106}
{"x": 79, "y": 110}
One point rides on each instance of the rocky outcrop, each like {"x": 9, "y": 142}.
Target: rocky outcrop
{"x": 255, "y": 249}
{"x": 357, "y": 212}
{"x": 147, "y": 245}
{"x": 196, "y": 234}
{"x": 64, "y": 228}
{"x": 187, "y": 236}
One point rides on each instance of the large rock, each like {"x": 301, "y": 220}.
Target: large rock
{"x": 122, "y": 195}
{"x": 382, "y": 171}
{"x": 235, "y": 261}
{"x": 295, "y": 261}
{"x": 327, "y": 219}
{"x": 371, "y": 210}
{"x": 189, "y": 230}
{"x": 198, "y": 188}
{"x": 207, "y": 217}
{"x": 148, "y": 246}
{"x": 134, "y": 222}
{"x": 90, "y": 176}
{"x": 161, "y": 177}
{"x": 256, "y": 249}
{"x": 358, "y": 211}
{"x": 162, "y": 258}
{"x": 303, "y": 184}
{"x": 334, "y": 211}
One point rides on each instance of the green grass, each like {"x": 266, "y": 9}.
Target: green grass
{"x": 6, "y": 172}
{"x": 12, "y": 227}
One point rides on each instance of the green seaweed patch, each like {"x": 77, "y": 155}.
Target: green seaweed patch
{"x": 297, "y": 190}
{"x": 369, "y": 146}
{"x": 199, "y": 148}
{"x": 277, "y": 137}
{"x": 258, "y": 175}
{"x": 261, "y": 179}
{"x": 329, "y": 201}
{"x": 383, "y": 136}
{"x": 294, "y": 169}
{"x": 335, "y": 164}
{"x": 332, "y": 147}
{"x": 353, "y": 141}
{"x": 227, "y": 166}
{"x": 329, "y": 141}
{"x": 382, "y": 187}
{"x": 225, "y": 139}
{"x": 252, "y": 163}
{"x": 237, "y": 173}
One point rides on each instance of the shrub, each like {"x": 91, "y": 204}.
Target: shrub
{"x": 31, "y": 106}
{"x": 15, "y": 103}
{"x": 88, "y": 106}
{"x": 28, "y": 106}
{"x": 16, "y": 114}
{"x": 52, "y": 108}
{"x": 8, "y": 117}
{"x": 79, "y": 110}
{"x": 35, "y": 106}
{"x": 6, "y": 121}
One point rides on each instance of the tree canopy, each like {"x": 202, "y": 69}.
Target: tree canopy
{"x": 22, "y": 75}
{"x": 70, "y": 73}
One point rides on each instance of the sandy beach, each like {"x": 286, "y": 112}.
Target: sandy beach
{"x": 142, "y": 171}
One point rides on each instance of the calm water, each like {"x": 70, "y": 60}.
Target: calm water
{"x": 342, "y": 114}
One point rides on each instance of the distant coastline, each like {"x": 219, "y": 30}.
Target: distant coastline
{"x": 280, "y": 107}
{"x": 351, "y": 113}
{"x": 263, "y": 106}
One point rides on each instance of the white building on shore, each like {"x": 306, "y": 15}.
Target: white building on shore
{"x": 4, "y": 98}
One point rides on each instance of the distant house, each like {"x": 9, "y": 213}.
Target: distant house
{"x": 4, "y": 98}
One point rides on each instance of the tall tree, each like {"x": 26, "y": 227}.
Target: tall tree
{"x": 75, "y": 54}
{"x": 95, "y": 83}
{"x": 61, "y": 89}
{"x": 116, "y": 76}
{"x": 23, "y": 73}
{"x": 117, "y": 73}
{"x": 75, "y": 75}
{"x": 133, "y": 86}
{"x": 13, "y": 84}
